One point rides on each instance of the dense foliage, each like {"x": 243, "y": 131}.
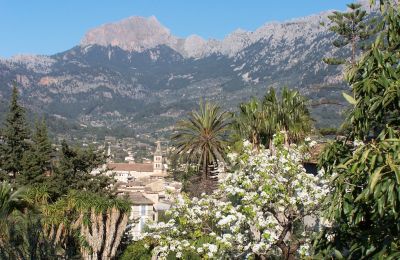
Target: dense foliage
{"x": 55, "y": 206}
{"x": 364, "y": 168}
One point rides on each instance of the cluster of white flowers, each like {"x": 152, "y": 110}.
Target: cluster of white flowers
{"x": 248, "y": 213}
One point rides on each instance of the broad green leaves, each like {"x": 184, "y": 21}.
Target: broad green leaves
{"x": 364, "y": 207}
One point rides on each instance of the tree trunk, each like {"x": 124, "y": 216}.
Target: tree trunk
{"x": 120, "y": 231}
{"x": 107, "y": 244}
{"x": 286, "y": 136}
{"x": 96, "y": 239}
{"x": 100, "y": 230}
{"x": 112, "y": 219}
{"x": 255, "y": 141}
{"x": 51, "y": 234}
{"x": 353, "y": 51}
{"x": 58, "y": 233}
{"x": 205, "y": 170}
{"x": 288, "y": 253}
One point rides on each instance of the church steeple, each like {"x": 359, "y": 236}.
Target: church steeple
{"x": 158, "y": 149}
{"x": 158, "y": 160}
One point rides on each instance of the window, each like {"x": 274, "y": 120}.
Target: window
{"x": 141, "y": 225}
{"x": 142, "y": 210}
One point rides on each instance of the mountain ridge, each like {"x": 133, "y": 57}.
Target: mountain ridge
{"x": 129, "y": 34}
{"x": 151, "y": 86}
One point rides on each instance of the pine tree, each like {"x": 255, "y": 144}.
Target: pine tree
{"x": 75, "y": 171}
{"x": 353, "y": 29}
{"x": 36, "y": 162}
{"x": 15, "y": 137}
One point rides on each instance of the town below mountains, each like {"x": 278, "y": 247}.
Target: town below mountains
{"x": 137, "y": 76}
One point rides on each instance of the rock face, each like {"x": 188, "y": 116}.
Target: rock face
{"x": 137, "y": 34}
{"x": 132, "y": 34}
{"x": 135, "y": 72}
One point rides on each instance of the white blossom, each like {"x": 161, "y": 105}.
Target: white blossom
{"x": 247, "y": 213}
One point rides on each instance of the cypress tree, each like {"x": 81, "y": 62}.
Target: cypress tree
{"x": 15, "y": 137}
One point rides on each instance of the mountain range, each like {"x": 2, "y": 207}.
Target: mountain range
{"x": 136, "y": 74}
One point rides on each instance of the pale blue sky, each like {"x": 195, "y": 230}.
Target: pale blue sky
{"x": 51, "y": 26}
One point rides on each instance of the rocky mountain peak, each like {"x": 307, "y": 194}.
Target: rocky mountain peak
{"x": 139, "y": 34}
{"x": 131, "y": 34}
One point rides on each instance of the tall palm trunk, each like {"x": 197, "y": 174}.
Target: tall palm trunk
{"x": 104, "y": 234}
{"x": 205, "y": 169}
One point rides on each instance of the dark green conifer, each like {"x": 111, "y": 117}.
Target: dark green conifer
{"x": 75, "y": 171}
{"x": 14, "y": 142}
{"x": 353, "y": 30}
{"x": 36, "y": 162}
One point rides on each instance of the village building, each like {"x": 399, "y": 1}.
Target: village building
{"x": 124, "y": 172}
{"x": 147, "y": 186}
{"x": 141, "y": 212}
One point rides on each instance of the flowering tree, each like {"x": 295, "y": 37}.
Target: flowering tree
{"x": 258, "y": 211}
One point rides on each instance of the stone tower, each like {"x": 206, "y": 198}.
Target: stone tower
{"x": 158, "y": 160}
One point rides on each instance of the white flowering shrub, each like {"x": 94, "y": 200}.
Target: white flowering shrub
{"x": 258, "y": 209}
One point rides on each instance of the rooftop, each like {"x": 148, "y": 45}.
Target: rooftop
{"x": 131, "y": 167}
{"x": 138, "y": 198}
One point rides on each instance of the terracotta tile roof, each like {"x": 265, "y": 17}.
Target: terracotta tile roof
{"x": 131, "y": 167}
{"x": 138, "y": 198}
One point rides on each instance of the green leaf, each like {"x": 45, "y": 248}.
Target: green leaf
{"x": 375, "y": 177}
{"x": 394, "y": 168}
{"x": 338, "y": 255}
{"x": 349, "y": 98}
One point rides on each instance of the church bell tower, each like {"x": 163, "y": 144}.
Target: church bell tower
{"x": 158, "y": 160}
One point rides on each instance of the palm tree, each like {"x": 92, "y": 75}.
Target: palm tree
{"x": 21, "y": 229}
{"x": 288, "y": 114}
{"x": 203, "y": 136}
{"x": 258, "y": 121}
{"x": 101, "y": 223}
{"x": 249, "y": 122}
{"x": 11, "y": 201}
{"x": 99, "y": 220}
